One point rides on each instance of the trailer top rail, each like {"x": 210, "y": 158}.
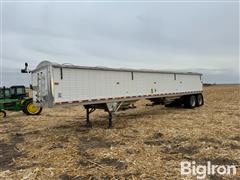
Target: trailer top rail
{"x": 48, "y": 63}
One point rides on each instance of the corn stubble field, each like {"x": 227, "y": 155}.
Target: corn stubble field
{"x": 145, "y": 142}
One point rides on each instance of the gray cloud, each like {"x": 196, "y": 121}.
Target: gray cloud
{"x": 183, "y": 36}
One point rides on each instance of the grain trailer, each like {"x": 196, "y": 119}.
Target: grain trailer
{"x": 111, "y": 89}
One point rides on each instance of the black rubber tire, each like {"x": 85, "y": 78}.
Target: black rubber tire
{"x": 190, "y": 101}
{"x": 4, "y": 113}
{"x": 200, "y": 100}
{"x": 25, "y": 110}
{"x": 24, "y": 107}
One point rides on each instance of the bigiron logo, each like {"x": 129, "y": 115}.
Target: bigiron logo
{"x": 201, "y": 171}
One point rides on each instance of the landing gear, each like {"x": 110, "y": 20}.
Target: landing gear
{"x": 110, "y": 108}
{"x": 89, "y": 110}
{"x": 109, "y": 119}
{"x": 92, "y": 108}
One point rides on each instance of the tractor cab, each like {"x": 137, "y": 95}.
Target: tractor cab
{"x": 14, "y": 92}
{"x": 5, "y": 93}
{"x": 18, "y": 92}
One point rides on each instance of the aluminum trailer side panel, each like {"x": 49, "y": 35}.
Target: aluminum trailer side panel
{"x": 81, "y": 84}
{"x": 68, "y": 84}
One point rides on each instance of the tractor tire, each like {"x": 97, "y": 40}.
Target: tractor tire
{"x": 190, "y": 101}
{"x": 3, "y": 114}
{"x": 30, "y": 109}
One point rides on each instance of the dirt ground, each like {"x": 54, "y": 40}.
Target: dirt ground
{"x": 145, "y": 142}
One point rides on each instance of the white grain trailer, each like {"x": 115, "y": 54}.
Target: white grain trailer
{"x": 111, "y": 89}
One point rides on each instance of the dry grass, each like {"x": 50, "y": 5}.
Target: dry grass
{"x": 145, "y": 143}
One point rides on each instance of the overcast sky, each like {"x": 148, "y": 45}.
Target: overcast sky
{"x": 202, "y": 37}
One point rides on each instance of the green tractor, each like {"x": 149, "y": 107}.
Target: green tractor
{"x": 15, "y": 99}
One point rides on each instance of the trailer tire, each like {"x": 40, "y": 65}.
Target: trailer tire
{"x": 3, "y": 114}
{"x": 190, "y": 101}
{"x": 30, "y": 109}
{"x": 200, "y": 100}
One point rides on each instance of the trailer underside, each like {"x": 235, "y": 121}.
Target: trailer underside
{"x": 187, "y": 101}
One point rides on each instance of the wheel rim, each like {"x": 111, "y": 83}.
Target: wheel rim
{"x": 32, "y": 108}
{"x": 200, "y": 100}
{"x": 2, "y": 114}
{"x": 193, "y": 101}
